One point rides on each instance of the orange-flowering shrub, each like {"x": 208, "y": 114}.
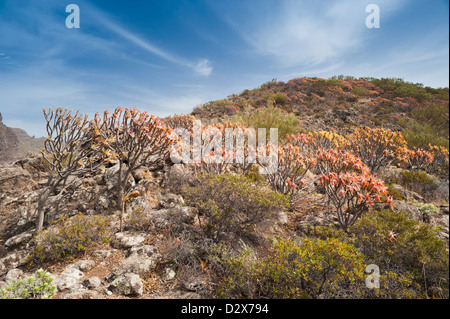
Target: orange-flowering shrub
{"x": 327, "y": 140}
{"x": 136, "y": 139}
{"x": 218, "y": 152}
{"x": 440, "y": 160}
{"x": 419, "y": 159}
{"x": 377, "y": 147}
{"x": 185, "y": 121}
{"x": 293, "y": 164}
{"x": 352, "y": 194}
{"x": 337, "y": 161}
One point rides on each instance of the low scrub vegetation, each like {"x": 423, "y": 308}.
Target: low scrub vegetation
{"x": 69, "y": 237}
{"x": 232, "y": 202}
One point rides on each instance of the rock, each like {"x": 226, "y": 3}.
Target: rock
{"x": 92, "y": 282}
{"x": 283, "y": 218}
{"x": 112, "y": 176}
{"x": 85, "y": 265}
{"x": 141, "y": 261}
{"x": 408, "y": 196}
{"x": 81, "y": 294}
{"x": 140, "y": 174}
{"x": 194, "y": 284}
{"x": 347, "y": 115}
{"x": 13, "y": 260}
{"x": 14, "y": 274}
{"x": 69, "y": 278}
{"x": 180, "y": 294}
{"x": 399, "y": 205}
{"x": 14, "y": 177}
{"x": 103, "y": 253}
{"x": 443, "y": 209}
{"x": 127, "y": 240}
{"x": 169, "y": 274}
{"x": 170, "y": 200}
{"x": 128, "y": 284}
{"x": 18, "y": 240}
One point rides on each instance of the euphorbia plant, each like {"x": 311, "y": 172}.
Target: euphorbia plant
{"x": 352, "y": 194}
{"x": 73, "y": 148}
{"x": 377, "y": 147}
{"x": 419, "y": 159}
{"x": 136, "y": 139}
{"x": 294, "y": 161}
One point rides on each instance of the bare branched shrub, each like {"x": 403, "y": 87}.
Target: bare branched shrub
{"x": 72, "y": 149}
{"x": 135, "y": 139}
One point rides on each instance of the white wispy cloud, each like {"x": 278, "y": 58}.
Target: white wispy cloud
{"x": 309, "y": 33}
{"x": 202, "y": 67}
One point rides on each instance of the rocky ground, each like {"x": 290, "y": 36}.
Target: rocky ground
{"x": 133, "y": 263}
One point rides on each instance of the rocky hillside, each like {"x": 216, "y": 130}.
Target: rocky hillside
{"x": 189, "y": 232}
{"x": 15, "y": 143}
{"x": 341, "y": 103}
{"x": 9, "y": 143}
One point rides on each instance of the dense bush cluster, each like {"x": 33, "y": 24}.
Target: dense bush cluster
{"x": 311, "y": 269}
{"x": 232, "y": 203}
{"x": 38, "y": 286}
{"x": 413, "y": 263}
{"x": 68, "y": 237}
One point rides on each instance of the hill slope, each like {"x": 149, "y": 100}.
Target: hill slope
{"x": 15, "y": 143}
{"x": 340, "y": 103}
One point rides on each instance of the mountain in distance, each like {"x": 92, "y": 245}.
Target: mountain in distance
{"x": 16, "y": 143}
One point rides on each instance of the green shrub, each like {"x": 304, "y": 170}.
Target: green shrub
{"x": 67, "y": 237}
{"x": 232, "y": 202}
{"x": 268, "y": 117}
{"x": 395, "y": 193}
{"x": 359, "y": 91}
{"x": 34, "y": 287}
{"x": 402, "y": 88}
{"x": 418, "y": 181}
{"x": 419, "y": 135}
{"x": 314, "y": 269}
{"x": 412, "y": 259}
{"x": 139, "y": 220}
{"x": 279, "y": 98}
{"x": 429, "y": 209}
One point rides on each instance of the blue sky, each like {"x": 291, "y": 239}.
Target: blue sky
{"x": 169, "y": 56}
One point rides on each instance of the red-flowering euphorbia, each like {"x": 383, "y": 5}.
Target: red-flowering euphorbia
{"x": 419, "y": 159}
{"x": 352, "y": 194}
{"x": 292, "y": 166}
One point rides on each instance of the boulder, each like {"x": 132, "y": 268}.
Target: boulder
{"x": 81, "y": 294}
{"x": 69, "y": 278}
{"x": 92, "y": 282}
{"x": 112, "y": 177}
{"x": 19, "y": 240}
{"x": 128, "y": 239}
{"x": 194, "y": 284}
{"x": 102, "y": 253}
{"x": 128, "y": 284}
{"x": 14, "y": 274}
{"x": 141, "y": 261}
{"x": 85, "y": 265}
{"x": 12, "y": 260}
{"x": 13, "y": 177}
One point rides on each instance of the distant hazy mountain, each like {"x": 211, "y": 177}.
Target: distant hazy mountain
{"x": 15, "y": 142}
